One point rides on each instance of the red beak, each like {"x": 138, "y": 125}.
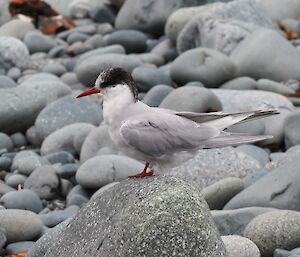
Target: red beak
{"x": 90, "y": 91}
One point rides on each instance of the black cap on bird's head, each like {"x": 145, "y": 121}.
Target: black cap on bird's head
{"x": 110, "y": 78}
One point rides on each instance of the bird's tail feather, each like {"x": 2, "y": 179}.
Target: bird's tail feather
{"x": 232, "y": 139}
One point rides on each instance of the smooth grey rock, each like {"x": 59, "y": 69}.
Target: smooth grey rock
{"x": 291, "y": 137}
{"x": 252, "y": 178}
{"x": 18, "y": 139}
{"x": 15, "y": 180}
{"x": 123, "y": 214}
{"x": 97, "y": 139}
{"x": 18, "y": 247}
{"x": 148, "y": 77}
{"x": 5, "y": 188}
{"x": 42, "y": 245}
{"x": 256, "y": 152}
{"x": 101, "y": 170}
{"x": 150, "y": 59}
{"x": 192, "y": 99}
{"x": 156, "y": 95}
{"x": 13, "y": 53}
{"x": 279, "y": 10}
{"x": 65, "y": 111}
{"x": 103, "y": 13}
{"x": 202, "y": 64}
{"x": 149, "y": 15}
{"x": 63, "y": 138}
{"x": 241, "y": 83}
{"x": 273, "y": 86}
{"x": 274, "y": 229}
{"x": 281, "y": 253}
{"x": 79, "y": 139}
{"x": 166, "y": 50}
{"x": 132, "y": 40}
{"x": 253, "y": 54}
{"x": 38, "y": 42}
{"x": 233, "y": 222}
{"x": 16, "y": 28}
{"x": 278, "y": 189}
{"x": 68, "y": 170}
{"x": 55, "y": 68}
{"x": 22, "y": 199}
{"x": 6, "y": 142}
{"x": 61, "y": 157}
{"x": 5, "y": 163}
{"x": 53, "y": 218}
{"x": 57, "y": 51}
{"x": 20, "y": 225}
{"x": 245, "y": 100}
{"x": 96, "y": 41}
{"x": 6, "y": 82}
{"x": 212, "y": 165}
{"x": 14, "y": 73}
{"x": 89, "y": 69}
{"x": 69, "y": 78}
{"x": 208, "y": 27}
{"x": 77, "y": 36}
{"x": 44, "y": 182}
{"x": 78, "y": 196}
{"x": 219, "y": 193}
{"x": 4, "y": 13}
{"x": 238, "y": 246}
{"x": 20, "y": 106}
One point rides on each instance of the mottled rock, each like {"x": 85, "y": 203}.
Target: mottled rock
{"x": 20, "y": 225}
{"x": 233, "y": 222}
{"x": 276, "y": 229}
{"x": 65, "y": 111}
{"x": 210, "y": 166}
{"x": 101, "y": 170}
{"x": 23, "y": 199}
{"x": 238, "y": 246}
{"x": 219, "y": 193}
{"x": 208, "y": 66}
{"x": 44, "y": 182}
{"x": 278, "y": 189}
{"x": 185, "y": 215}
{"x": 63, "y": 138}
{"x": 192, "y": 99}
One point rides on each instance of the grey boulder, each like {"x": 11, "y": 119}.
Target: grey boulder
{"x": 117, "y": 216}
{"x": 65, "y": 111}
{"x": 192, "y": 99}
{"x": 278, "y": 189}
{"x": 252, "y": 57}
{"x": 208, "y": 66}
{"x": 101, "y": 170}
{"x": 276, "y": 229}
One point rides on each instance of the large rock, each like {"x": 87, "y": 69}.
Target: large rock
{"x": 64, "y": 139}
{"x": 276, "y": 229}
{"x": 102, "y": 170}
{"x": 149, "y": 15}
{"x": 237, "y": 246}
{"x": 252, "y": 57}
{"x": 234, "y": 222}
{"x": 89, "y": 69}
{"x": 209, "y": 27}
{"x": 278, "y": 189}
{"x": 208, "y": 66}
{"x": 65, "y": 111}
{"x": 192, "y": 99}
{"x": 210, "y": 166}
{"x": 20, "y": 106}
{"x": 13, "y": 53}
{"x": 20, "y": 225}
{"x": 130, "y": 214}
{"x": 16, "y": 28}
{"x": 245, "y": 100}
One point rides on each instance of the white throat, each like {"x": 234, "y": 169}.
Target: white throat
{"x": 115, "y": 101}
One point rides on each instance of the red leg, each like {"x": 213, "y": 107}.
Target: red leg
{"x": 144, "y": 173}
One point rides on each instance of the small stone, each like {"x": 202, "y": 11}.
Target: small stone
{"x": 18, "y": 139}
{"x": 38, "y": 42}
{"x": 57, "y": 51}
{"x": 14, "y": 73}
{"x": 291, "y": 137}
{"x": 22, "y": 199}
{"x": 55, "y": 68}
{"x": 219, "y": 193}
{"x": 18, "y": 247}
{"x": 43, "y": 181}
{"x": 241, "y": 83}
{"x": 156, "y": 95}
{"x": 6, "y": 142}
{"x": 5, "y": 163}
{"x": 102, "y": 13}
{"x": 276, "y": 229}
{"x": 6, "y": 82}
{"x": 77, "y": 196}
{"x": 69, "y": 170}
{"x": 96, "y": 41}
{"x": 237, "y": 246}
{"x": 16, "y": 28}
{"x": 273, "y": 86}
{"x": 5, "y": 188}
{"x": 20, "y": 225}
{"x": 256, "y": 152}
{"x": 77, "y": 36}
{"x": 15, "y": 180}
{"x": 62, "y": 157}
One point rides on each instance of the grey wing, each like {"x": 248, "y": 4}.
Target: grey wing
{"x": 165, "y": 134}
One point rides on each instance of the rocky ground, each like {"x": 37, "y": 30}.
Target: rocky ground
{"x": 64, "y": 188}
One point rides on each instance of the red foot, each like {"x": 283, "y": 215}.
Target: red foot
{"x": 144, "y": 173}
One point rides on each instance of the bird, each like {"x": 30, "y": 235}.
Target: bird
{"x": 163, "y": 137}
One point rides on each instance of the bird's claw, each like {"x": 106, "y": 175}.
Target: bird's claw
{"x": 143, "y": 174}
